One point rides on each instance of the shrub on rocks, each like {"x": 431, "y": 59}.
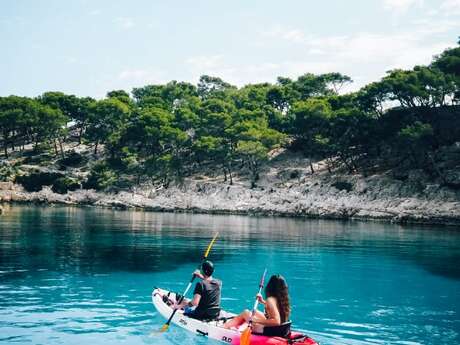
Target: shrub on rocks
{"x": 342, "y": 185}
{"x": 35, "y": 181}
{"x": 73, "y": 159}
{"x": 38, "y": 159}
{"x": 452, "y": 180}
{"x": 63, "y": 184}
{"x": 101, "y": 177}
{"x": 294, "y": 174}
{"x": 7, "y": 172}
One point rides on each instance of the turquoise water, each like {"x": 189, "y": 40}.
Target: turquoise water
{"x": 75, "y": 275}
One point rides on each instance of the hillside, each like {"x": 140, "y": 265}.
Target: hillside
{"x": 295, "y": 147}
{"x": 286, "y": 187}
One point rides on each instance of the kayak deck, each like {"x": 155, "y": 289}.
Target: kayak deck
{"x": 163, "y": 301}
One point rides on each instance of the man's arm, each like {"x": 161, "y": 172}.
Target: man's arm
{"x": 198, "y": 274}
{"x": 195, "y": 300}
{"x": 192, "y": 303}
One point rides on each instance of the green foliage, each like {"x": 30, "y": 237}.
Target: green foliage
{"x": 64, "y": 184}
{"x": 35, "y": 181}
{"x": 73, "y": 159}
{"x": 74, "y": 108}
{"x": 449, "y": 61}
{"x": 120, "y": 95}
{"x": 310, "y": 119}
{"x": 8, "y": 172}
{"x": 423, "y": 86}
{"x": 416, "y": 133}
{"x": 213, "y": 87}
{"x": 342, "y": 185}
{"x": 166, "y": 132}
{"x": 416, "y": 139}
{"x": 167, "y": 96}
{"x": 100, "y": 177}
{"x": 254, "y": 153}
{"x": 106, "y": 118}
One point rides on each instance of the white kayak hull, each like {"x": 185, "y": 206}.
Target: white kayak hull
{"x": 214, "y": 329}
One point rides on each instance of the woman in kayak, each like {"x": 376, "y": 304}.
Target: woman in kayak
{"x": 277, "y": 307}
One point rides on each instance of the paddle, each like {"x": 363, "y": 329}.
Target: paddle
{"x": 165, "y": 327}
{"x": 246, "y": 335}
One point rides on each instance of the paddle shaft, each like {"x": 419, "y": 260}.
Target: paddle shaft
{"x": 193, "y": 278}
{"x": 181, "y": 298}
{"x": 245, "y": 338}
{"x": 256, "y": 303}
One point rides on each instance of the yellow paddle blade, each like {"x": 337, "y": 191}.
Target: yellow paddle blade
{"x": 156, "y": 333}
{"x": 210, "y": 245}
{"x": 245, "y": 338}
{"x": 164, "y": 328}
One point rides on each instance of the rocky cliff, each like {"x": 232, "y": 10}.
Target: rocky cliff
{"x": 286, "y": 188}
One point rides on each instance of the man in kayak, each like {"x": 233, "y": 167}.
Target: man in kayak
{"x": 205, "y": 304}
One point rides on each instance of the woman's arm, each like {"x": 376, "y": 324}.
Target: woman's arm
{"x": 273, "y": 314}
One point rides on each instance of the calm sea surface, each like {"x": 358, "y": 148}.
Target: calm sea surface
{"x": 84, "y": 276}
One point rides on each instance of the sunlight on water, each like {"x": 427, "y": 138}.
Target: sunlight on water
{"x": 74, "y": 275}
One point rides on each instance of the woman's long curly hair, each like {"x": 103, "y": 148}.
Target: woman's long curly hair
{"x": 277, "y": 287}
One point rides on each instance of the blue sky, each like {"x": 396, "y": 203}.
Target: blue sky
{"x": 88, "y": 47}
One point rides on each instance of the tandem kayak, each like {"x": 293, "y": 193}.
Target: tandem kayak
{"x": 163, "y": 300}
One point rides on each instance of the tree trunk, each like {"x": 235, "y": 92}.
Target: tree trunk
{"x": 55, "y": 147}
{"x": 35, "y": 145}
{"x": 80, "y": 134}
{"x": 229, "y": 167}
{"x": 5, "y": 143}
{"x": 253, "y": 169}
{"x": 436, "y": 168}
{"x": 328, "y": 165}
{"x": 95, "y": 147}
{"x": 62, "y": 150}
{"x": 311, "y": 167}
{"x": 413, "y": 156}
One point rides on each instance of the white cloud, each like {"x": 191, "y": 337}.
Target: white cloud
{"x": 71, "y": 59}
{"x": 294, "y": 36}
{"x": 95, "y": 12}
{"x": 203, "y": 63}
{"x": 364, "y": 56}
{"x": 125, "y": 22}
{"x": 451, "y": 7}
{"x": 401, "y": 6}
{"x": 137, "y": 77}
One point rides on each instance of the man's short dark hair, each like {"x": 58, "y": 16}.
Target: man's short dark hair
{"x": 208, "y": 268}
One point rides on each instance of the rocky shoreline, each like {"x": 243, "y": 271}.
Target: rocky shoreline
{"x": 281, "y": 192}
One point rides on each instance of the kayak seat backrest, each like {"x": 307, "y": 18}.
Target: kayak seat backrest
{"x": 282, "y": 330}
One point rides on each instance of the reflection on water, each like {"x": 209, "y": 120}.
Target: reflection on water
{"x": 68, "y": 274}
